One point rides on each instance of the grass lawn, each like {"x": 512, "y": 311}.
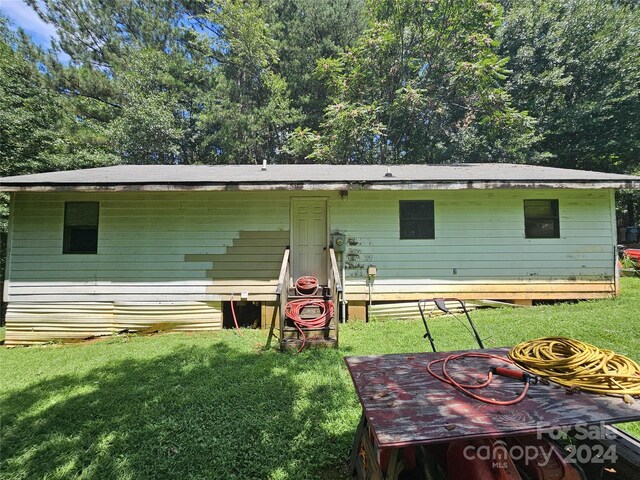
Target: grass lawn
{"x": 216, "y": 405}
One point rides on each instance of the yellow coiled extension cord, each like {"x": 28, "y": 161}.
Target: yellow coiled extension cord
{"x": 578, "y": 365}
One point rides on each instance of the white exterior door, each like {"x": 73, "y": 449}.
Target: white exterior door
{"x": 309, "y": 238}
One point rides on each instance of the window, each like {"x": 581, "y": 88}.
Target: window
{"x": 416, "y": 219}
{"x": 541, "y": 219}
{"x": 81, "y": 227}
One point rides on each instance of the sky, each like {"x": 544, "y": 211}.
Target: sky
{"x": 25, "y": 17}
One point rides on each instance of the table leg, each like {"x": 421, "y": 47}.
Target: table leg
{"x": 364, "y": 461}
{"x": 396, "y": 464}
{"x": 355, "y": 449}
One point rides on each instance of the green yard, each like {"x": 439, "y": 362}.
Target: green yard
{"x": 217, "y": 406}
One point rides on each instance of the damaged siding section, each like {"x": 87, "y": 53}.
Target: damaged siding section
{"x": 163, "y": 258}
{"x": 46, "y": 322}
{"x": 152, "y": 247}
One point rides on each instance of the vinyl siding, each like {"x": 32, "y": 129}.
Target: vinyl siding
{"x": 196, "y": 249}
{"x": 480, "y": 235}
{"x": 202, "y": 246}
{"x": 41, "y": 322}
{"x": 151, "y": 247}
{"x": 165, "y": 260}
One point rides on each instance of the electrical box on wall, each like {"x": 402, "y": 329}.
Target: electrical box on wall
{"x": 339, "y": 242}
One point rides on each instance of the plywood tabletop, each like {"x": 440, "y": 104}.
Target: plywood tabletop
{"x": 405, "y": 405}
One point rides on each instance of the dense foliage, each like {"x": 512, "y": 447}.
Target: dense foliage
{"x": 423, "y": 83}
{"x": 576, "y": 69}
{"x": 343, "y": 81}
{"x": 193, "y": 81}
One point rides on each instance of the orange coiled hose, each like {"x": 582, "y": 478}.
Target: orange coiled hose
{"x": 466, "y": 388}
{"x": 294, "y": 309}
{"x": 307, "y": 285}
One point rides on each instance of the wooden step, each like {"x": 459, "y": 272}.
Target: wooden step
{"x": 319, "y": 337}
{"x": 310, "y": 333}
{"x": 307, "y": 297}
{"x": 315, "y": 329}
{"x": 292, "y": 293}
{"x": 294, "y": 343}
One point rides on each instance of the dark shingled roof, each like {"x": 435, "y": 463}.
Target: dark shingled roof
{"x": 316, "y": 177}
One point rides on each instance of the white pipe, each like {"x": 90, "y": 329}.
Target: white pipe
{"x": 343, "y": 306}
{"x": 370, "y": 278}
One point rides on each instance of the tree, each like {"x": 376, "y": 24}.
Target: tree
{"x": 101, "y": 34}
{"x": 159, "y": 110}
{"x": 175, "y": 81}
{"x": 38, "y": 130}
{"x": 576, "y": 69}
{"x": 248, "y": 112}
{"x": 138, "y": 69}
{"x": 423, "y": 84}
{"x": 305, "y": 32}
{"x": 194, "y": 81}
{"x": 30, "y": 116}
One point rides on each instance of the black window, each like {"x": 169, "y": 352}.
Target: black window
{"x": 81, "y": 227}
{"x": 541, "y": 219}
{"x": 416, "y": 219}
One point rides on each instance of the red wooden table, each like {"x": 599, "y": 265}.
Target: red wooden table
{"x": 403, "y": 405}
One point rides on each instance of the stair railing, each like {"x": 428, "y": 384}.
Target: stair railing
{"x": 337, "y": 289}
{"x": 282, "y": 292}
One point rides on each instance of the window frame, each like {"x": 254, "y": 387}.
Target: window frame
{"x": 553, "y": 219}
{"x": 404, "y": 219}
{"x": 67, "y": 235}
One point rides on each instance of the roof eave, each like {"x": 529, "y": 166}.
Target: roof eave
{"x": 320, "y": 185}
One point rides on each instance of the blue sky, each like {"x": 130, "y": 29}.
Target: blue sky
{"x": 25, "y": 17}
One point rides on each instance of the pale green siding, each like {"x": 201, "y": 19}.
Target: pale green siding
{"x": 481, "y": 235}
{"x": 204, "y": 246}
{"x": 151, "y": 246}
{"x": 168, "y": 260}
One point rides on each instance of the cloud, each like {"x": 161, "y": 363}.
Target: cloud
{"x": 25, "y": 17}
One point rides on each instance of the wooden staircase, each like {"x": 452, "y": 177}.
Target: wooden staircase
{"x": 289, "y": 335}
{"x": 326, "y": 336}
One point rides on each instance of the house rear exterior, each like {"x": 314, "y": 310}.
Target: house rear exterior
{"x": 121, "y": 248}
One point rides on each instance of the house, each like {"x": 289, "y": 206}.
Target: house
{"x": 95, "y": 251}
